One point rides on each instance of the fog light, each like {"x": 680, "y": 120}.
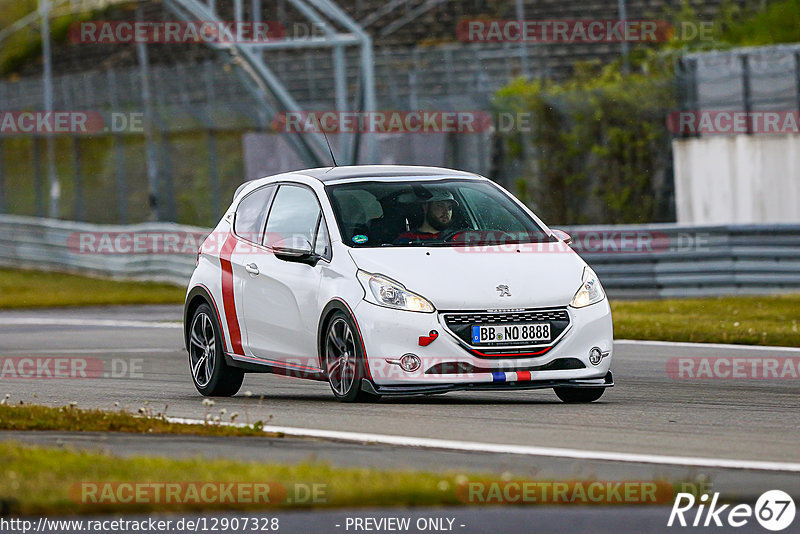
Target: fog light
{"x": 595, "y": 356}
{"x": 410, "y": 362}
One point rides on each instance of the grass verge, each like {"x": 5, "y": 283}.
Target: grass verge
{"x": 47, "y": 481}
{"x": 72, "y": 419}
{"x": 768, "y": 320}
{"x": 52, "y": 481}
{"x": 35, "y": 289}
{"x": 39, "y": 480}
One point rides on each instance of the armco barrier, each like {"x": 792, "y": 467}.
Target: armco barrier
{"x": 669, "y": 260}
{"x": 49, "y": 244}
{"x": 636, "y": 261}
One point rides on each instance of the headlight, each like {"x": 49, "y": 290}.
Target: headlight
{"x": 590, "y": 291}
{"x": 386, "y": 292}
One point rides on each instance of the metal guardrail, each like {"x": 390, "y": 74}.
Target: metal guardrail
{"x": 633, "y": 261}
{"x": 670, "y": 260}
{"x": 47, "y": 244}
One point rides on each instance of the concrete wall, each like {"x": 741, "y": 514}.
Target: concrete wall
{"x": 738, "y": 179}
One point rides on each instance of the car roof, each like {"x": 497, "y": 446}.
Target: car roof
{"x": 328, "y": 175}
{"x": 401, "y": 172}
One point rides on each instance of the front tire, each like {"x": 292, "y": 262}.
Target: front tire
{"x": 344, "y": 360}
{"x": 579, "y": 395}
{"x": 211, "y": 375}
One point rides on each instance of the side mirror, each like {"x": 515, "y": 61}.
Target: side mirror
{"x": 296, "y": 249}
{"x": 563, "y": 236}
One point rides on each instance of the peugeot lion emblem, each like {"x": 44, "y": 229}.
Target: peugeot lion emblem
{"x": 504, "y": 291}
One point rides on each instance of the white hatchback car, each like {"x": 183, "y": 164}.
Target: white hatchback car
{"x": 394, "y": 280}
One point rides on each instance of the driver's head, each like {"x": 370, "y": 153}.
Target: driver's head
{"x": 439, "y": 210}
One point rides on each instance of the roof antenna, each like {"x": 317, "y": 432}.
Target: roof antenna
{"x": 329, "y": 148}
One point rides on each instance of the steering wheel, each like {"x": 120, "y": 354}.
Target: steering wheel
{"x": 448, "y": 235}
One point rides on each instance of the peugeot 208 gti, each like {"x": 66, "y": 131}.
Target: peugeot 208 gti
{"x": 394, "y": 280}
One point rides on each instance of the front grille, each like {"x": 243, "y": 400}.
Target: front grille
{"x": 508, "y": 317}
{"x": 461, "y": 323}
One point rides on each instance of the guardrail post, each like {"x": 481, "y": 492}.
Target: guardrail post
{"x": 745, "y": 59}
{"x": 797, "y": 78}
{"x": 52, "y": 176}
{"x": 150, "y": 145}
{"x": 118, "y": 146}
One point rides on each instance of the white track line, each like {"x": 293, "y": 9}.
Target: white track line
{"x": 496, "y": 448}
{"x": 720, "y": 346}
{"x": 49, "y": 321}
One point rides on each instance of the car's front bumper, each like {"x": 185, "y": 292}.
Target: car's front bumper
{"x": 389, "y": 334}
{"x": 433, "y": 389}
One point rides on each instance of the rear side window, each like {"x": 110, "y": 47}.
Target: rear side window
{"x": 295, "y": 212}
{"x": 251, "y": 214}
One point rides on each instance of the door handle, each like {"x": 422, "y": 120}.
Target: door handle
{"x": 251, "y": 268}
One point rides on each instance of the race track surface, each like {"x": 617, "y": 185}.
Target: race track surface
{"x": 648, "y": 412}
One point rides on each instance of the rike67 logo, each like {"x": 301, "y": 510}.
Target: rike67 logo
{"x": 774, "y": 510}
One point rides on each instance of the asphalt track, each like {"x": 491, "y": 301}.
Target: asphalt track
{"x": 648, "y": 413}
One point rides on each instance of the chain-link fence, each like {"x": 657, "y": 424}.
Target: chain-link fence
{"x": 199, "y": 113}
{"x": 748, "y": 81}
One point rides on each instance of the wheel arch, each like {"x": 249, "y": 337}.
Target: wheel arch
{"x": 338, "y": 304}
{"x": 198, "y": 296}
{"x": 324, "y": 318}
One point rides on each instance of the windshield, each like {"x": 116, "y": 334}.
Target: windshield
{"x": 430, "y": 213}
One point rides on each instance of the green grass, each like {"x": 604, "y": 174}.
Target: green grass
{"x": 35, "y": 289}
{"x": 47, "y": 481}
{"x": 764, "y": 320}
{"x": 37, "y": 480}
{"x": 70, "y": 418}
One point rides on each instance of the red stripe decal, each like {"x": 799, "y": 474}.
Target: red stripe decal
{"x": 228, "y": 302}
{"x": 523, "y": 376}
{"x": 503, "y": 355}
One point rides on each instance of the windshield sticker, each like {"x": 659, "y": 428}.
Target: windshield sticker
{"x": 360, "y": 239}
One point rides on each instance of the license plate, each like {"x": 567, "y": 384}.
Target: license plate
{"x": 519, "y": 333}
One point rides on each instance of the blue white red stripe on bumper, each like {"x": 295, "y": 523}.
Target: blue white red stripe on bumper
{"x": 521, "y": 376}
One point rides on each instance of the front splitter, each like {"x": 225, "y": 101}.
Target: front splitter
{"x": 369, "y": 387}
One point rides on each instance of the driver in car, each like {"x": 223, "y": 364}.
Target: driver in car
{"x": 438, "y": 217}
